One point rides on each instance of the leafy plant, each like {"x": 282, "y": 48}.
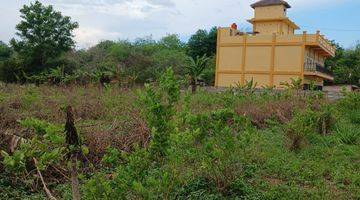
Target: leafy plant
{"x": 248, "y": 88}
{"x": 346, "y": 134}
{"x": 45, "y": 147}
{"x": 294, "y": 85}
{"x": 304, "y": 123}
{"x": 159, "y": 109}
{"x": 195, "y": 70}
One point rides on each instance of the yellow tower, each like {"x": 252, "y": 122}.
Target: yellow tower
{"x": 270, "y": 17}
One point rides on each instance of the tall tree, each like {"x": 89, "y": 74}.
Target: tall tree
{"x": 345, "y": 65}
{"x": 202, "y": 43}
{"x": 172, "y": 42}
{"x": 44, "y": 34}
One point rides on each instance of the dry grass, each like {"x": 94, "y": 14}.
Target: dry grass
{"x": 104, "y": 117}
{"x": 280, "y": 111}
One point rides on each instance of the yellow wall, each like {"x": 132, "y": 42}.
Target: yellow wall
{"x": 230, "y": 58}
{"x": 288, "y": 58}
{"x": 270, "y": 12}
{"x": 271, "y": 19}
{"x": 261, "y": 58}
{"x": 252, "y": 61}
{"x": 227, "y": 80}
{"x": 268, "y": 27}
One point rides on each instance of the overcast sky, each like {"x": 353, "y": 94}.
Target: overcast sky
{"x": 129, "y": 19}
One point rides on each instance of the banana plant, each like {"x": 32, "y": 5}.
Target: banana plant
{"x": 195, "y": 69}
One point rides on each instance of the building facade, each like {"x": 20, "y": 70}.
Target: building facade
{"x": 272, "y": 54}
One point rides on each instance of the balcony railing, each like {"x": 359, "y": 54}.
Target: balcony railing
{"x": 326, "y": 44}
{"x": 311, "y": 66}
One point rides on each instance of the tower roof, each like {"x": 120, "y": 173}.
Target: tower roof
{"x": 263, "y": 3}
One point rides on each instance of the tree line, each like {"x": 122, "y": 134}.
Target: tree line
{"x": 44, "y": 52}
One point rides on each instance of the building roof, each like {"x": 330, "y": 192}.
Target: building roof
{"x": 263, "y": 3}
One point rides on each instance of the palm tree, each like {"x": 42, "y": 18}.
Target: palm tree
{"x": 195, "y": 70}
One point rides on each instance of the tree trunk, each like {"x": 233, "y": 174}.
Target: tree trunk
{"x": 193, "y": 85}
{"x": 74, "y": 178}
{"x": 73, "y": 141}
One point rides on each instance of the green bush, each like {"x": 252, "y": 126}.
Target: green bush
{"x": 307, "y": 122}
{"x": 159, "y": 110}
{"x": 347, "y": 133}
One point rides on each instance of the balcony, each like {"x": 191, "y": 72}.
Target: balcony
{"x": 312, "y": 68}
{"x": 325, "y": 44}
{"x": 321, "y": 44}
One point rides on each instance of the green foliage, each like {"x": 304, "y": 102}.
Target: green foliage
{"x": 11, "y": 70}
{"x": 354, "y": 116}
{"x": 46, "y": 146}
{"x": 44, "y": 34}
{"x": 347, "y": 131}
{"x": 111, "y": 157}
{"x": 195, "y": 70}
{"x": 303, "y": 124}
{"x": 345, "y": 65}
{"x": 5, "y": 52}
{"x": 351, "y": 101}
{"x": 159, "y": 110}
{"x": 209, "y": 72}
{"x": 294, "y": 84}
{"x": 308, "y": 122}
{"x": 122, "y": 62}
{"x": 203, "y": 146}
{"x": 347, "y": 134}
{"x": 245, "y": 89}
{"x": 202, "y": 43}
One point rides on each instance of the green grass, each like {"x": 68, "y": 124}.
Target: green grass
{"x": 214, "y": 153}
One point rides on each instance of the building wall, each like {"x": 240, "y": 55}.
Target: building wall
{"x": 270, "y": 12}
{"x": 266, "y": 59}
{"x": 267, "y": 27}
{"x": 279, "y": 27}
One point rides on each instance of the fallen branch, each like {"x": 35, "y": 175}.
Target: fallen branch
{"x": 46, "y": 189}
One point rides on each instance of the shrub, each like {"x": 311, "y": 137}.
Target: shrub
{"x": 311, "y": 120}
{"x": 46, "y": 146}
{"x": 304, "y": 123}
{"x": 354, "y": 116}
{"x": 199, "y": 188}
{"x": 159, "y": 110}
{"x": 347, "y": 133}
{"x": 326, "y": 119}
{"x": 350, "y": 101}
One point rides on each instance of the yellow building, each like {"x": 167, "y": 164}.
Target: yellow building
{"x": 272, "y": 54}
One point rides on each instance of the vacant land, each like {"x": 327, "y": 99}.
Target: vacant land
{"x": 229, "y": 145}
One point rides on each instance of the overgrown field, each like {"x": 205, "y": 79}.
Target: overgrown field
{"x": 159, "y": 142}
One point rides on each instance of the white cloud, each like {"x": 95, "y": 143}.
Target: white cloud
{"x": 129, "y": 19}
{"x": 133, "y": 9}
{"x": 87, "y": 36}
